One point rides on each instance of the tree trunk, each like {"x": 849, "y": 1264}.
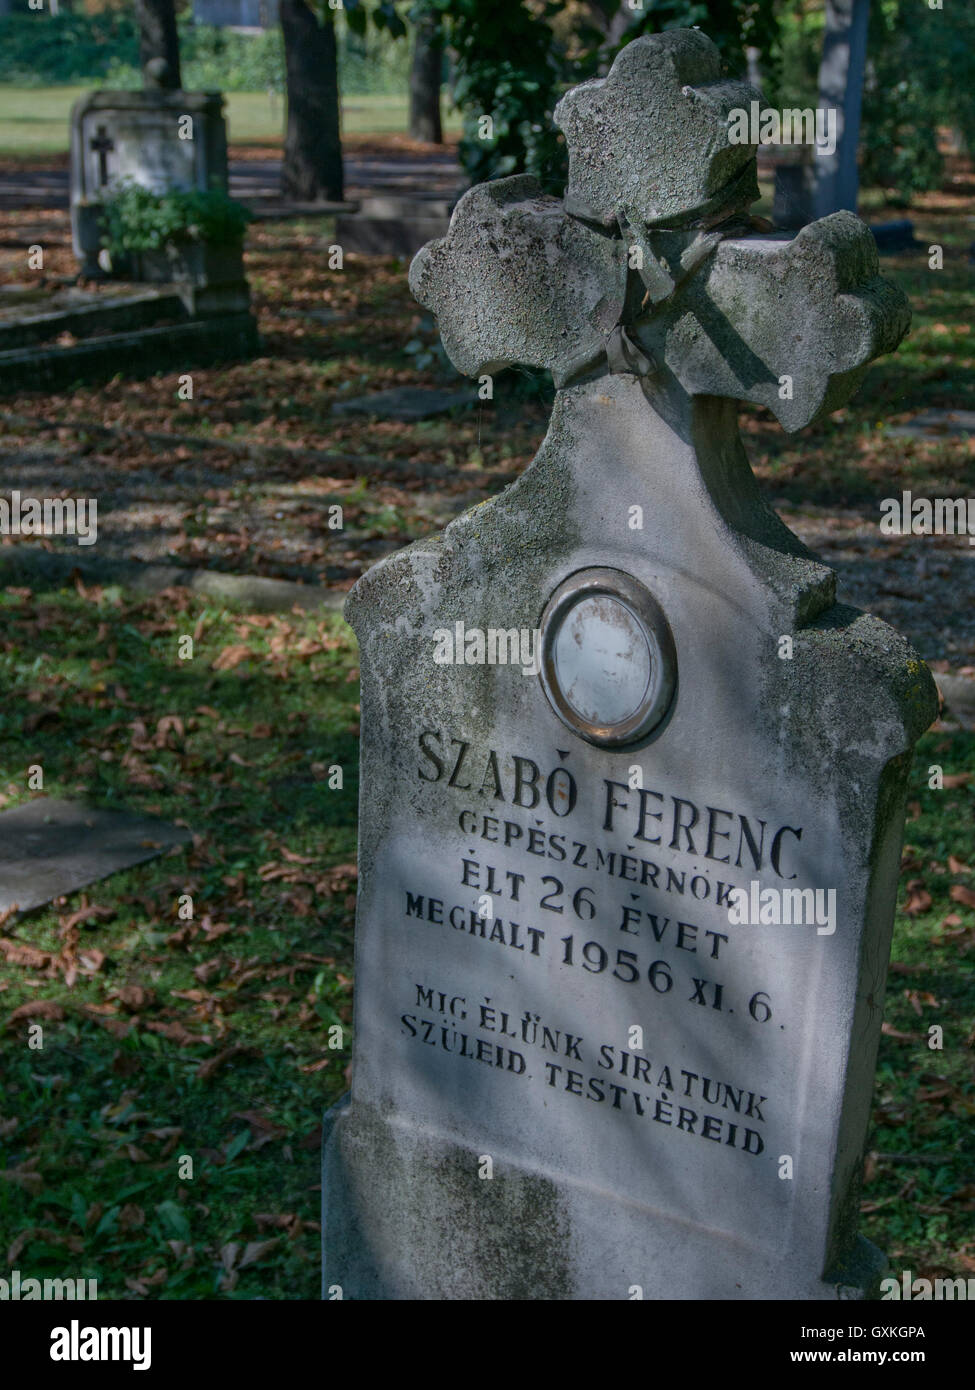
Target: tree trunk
{"x": 425, "y": 74}
{"x": 158, "y": 43}
{"x": 312, "y": 170}
{"x": 841, "y": 90}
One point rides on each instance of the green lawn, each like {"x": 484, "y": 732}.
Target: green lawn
{"x": 34, "y": 120}
{"x": 94, "y": 1123}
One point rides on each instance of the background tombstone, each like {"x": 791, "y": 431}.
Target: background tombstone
{"x": 390, "y": 225}
{"x": 575, "y": 1073}
{"x": 792, "y": 194}
{"x": 135, "y": 137}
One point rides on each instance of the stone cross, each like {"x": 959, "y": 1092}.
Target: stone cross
{"x": 632, "y": 779}
{"x": 101, "y": 144}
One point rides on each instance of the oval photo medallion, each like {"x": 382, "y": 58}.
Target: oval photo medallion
{"x": 609, "y": 665}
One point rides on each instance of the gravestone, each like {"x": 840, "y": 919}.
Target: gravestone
{"x": 136, "y": 137}
{"x": 792, "y": 195}
{"x": 610, "y": 719}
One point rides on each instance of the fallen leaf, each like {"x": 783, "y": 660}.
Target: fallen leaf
{"x": 918, "y": 898}
{"x": 889, "y": 1031}
{"x": 169, "y": 723}
{"x": 133, "y": 998}
{"x": 19, "y": 953}
{"x": 22, "y": 1176}
{"x": 177, "y": 1033}
{"x": 36, "y": 1008}
{"x": 231, "y": 657}
{"x": 918, "y": 999}
{"x": 206, "y": 1069}
{"x": 255, "y": 1250}
{"x": 131, "y": 1217}
{"x": 83, "y": 914}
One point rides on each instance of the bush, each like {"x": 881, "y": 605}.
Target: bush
{"x": 921, "y": 69}
{"x": 136, "y": 219}
{"x": 40, "y": 49}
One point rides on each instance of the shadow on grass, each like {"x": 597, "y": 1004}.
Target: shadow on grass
{"x": 167, "y": 1126}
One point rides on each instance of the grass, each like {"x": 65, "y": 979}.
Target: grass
{"x": 96, "y": 1122}
{"x": 35, "y": 120}
{"x": 919, "y": 1194}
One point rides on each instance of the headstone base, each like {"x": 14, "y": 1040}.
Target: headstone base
{"x": 426, "y": 1226}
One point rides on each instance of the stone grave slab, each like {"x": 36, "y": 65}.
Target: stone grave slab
{"x": 405, "y": 403}
{"x": 51, "y": 846}
{"x": 189, "y": 341}
{"x": 391, "y": 225}
{"x": 936, "y": 424}
{"x": 632, "y": 781}
{"x": 33, "y": 318}
{"x": 892, "y": 237}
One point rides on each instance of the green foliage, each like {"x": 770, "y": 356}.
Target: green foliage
{"x": 732, "y": 25}
{"x": 796, "y": 80}
{"x": 99, "y": 1111}
{"x": 39, "y": 48}
{"x": 921, "y": 70}
{"x": 920, "y": 73}
{"x": 103, "y": 49}
{"x": 507, "y": 68}
{"x": 136, "y": 219}
{"x": 510, "y": 65}
{"x": 383, "y": 17}
{"x": 371, "y": 63}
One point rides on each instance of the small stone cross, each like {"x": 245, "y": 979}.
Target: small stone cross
{"x": 102, "y": 144}
{"x": 650, "y": 265}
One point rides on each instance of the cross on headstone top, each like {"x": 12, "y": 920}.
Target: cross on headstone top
{"x": 644, "y": 268}
{"x": 649, "y": 142}
{"x": 101, "y": 144}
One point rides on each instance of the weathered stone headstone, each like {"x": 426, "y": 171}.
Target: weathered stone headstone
{"x": 588, "y": 1062}
{"x": 936, "y": 424}
{"x": 157, "y": 138}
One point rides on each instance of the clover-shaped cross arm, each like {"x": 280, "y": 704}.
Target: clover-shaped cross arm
{"x": 515, "y": 280}
{"x": 788, "y": 323}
